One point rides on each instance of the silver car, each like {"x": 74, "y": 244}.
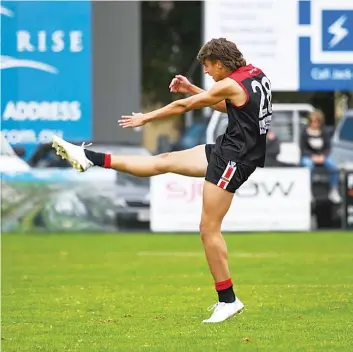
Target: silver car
{"x": 132, "y": 194}
{"x": 342, "y": 142}
{"x": 128, "y": 195}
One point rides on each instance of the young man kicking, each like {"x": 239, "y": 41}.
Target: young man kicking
{"x": 244, "y": 93}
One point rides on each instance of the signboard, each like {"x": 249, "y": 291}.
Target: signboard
{"x": 271, "y": 199}
{"x": 302, "y": 45}
{"x": 45, "y": 71}
{"x": 59, "y": 200}
{"x": 348, "y": 213}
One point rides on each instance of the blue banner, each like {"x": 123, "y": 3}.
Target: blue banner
{"x": 45, "y": 71}
{"x": 326, "y": 50}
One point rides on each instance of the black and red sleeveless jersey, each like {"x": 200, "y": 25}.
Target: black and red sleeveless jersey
{"x": 245, "y": 138}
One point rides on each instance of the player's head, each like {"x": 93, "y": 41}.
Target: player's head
{"x": 220, "y": 57}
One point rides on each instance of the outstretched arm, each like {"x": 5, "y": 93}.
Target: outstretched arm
{"x": 182, "y": 85}
{"x": 219, "y": 92}
{"x": 221, "y": 106}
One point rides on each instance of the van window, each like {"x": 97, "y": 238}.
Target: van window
{"x": 282, "y": 126}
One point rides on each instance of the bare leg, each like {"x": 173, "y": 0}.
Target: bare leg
{"x": 189, "y": 162}
{"x": 216, "y": 202}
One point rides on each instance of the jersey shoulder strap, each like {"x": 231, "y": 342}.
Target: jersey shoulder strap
{"x": 245, "y": 72}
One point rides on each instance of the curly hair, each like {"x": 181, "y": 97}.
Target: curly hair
{"x": 223, "y": 50}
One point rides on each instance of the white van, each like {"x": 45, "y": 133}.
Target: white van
{"x": 287, "y": 123}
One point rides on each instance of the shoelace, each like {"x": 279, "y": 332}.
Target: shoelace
{"x": 83, "y": 145}
{"x": 214, "y": 306}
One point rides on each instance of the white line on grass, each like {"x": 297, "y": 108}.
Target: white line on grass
{"x": 201, "y": 254}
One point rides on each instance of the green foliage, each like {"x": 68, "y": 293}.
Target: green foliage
{"x": 171, "y": 38}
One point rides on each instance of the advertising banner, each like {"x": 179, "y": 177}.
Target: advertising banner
{"x": 59, "y": 200}
{"x": 45, "y": 71}
{"x": 271, "y": 199}
{"x": 302, "y": 45}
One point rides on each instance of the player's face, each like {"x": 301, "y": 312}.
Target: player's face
{"x": 214, "y": 69}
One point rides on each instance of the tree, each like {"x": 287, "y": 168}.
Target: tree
{"x": 171, "y": 37}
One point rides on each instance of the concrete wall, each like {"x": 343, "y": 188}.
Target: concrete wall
{"x": 116, "y": 68}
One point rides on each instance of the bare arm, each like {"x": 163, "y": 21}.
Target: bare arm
{"x": 221, "y": 90}
{"x": 217, "y": 94}
{"x": 221, "y": 106}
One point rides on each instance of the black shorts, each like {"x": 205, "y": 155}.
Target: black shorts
{"x": 224, "y": 173}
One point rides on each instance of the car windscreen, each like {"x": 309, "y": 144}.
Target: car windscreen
{"x": 346, "y": 133}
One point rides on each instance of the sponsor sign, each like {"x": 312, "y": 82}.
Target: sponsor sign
{"x": 45, "y": 71}
{"x": 271, "y": 199}
{"x": 309, "y": 50}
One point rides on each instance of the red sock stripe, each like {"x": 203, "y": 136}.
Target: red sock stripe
{"x": 223, "y": 285}
{"x": 107, "y": 161}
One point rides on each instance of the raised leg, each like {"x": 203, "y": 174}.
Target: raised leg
{"x": 189, "y": 162}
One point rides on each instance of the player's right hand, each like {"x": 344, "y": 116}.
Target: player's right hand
{"x": 179, "y": 84}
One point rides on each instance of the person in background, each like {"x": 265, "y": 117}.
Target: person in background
{"x": 272, "y": 149}
{"x": 315, "y": 149}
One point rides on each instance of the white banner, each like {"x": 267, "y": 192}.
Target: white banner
{"x": 272, "y": 199}
{"x": 299, "y": 44}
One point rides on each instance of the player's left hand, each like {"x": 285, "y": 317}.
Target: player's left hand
{"x": 134, "y": 120}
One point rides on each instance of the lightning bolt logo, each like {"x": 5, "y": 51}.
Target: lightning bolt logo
{"x": 338, "y": 31}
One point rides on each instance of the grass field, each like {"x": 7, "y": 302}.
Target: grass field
{"x": 106, "y": 293}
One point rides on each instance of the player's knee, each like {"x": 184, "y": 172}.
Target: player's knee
{"x": 208, "y": 229}
{"x": 163, "y": 163}
{"x": 203, "y": 230}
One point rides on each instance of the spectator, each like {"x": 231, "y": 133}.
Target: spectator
{"x": 315, "y": 149}
{"x": 272, "y": 149}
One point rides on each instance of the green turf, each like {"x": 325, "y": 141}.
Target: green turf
{"x": 150, "y": 292}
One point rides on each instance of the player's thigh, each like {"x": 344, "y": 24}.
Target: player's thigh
{"x": 223, "y": 178}
{"x": 215, "y": 205}
{"x": 188, "y": 162}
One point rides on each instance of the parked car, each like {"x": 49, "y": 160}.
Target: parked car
{"x": 132, "y": 193}
{"x": 342, "y": 142}
{"x": 131, "y": 196}
{"x": 45, "y": 157}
